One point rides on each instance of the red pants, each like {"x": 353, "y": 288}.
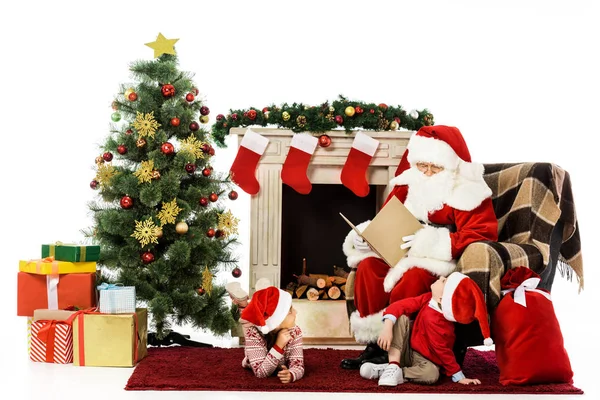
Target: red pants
{"x": 369, "y": 295}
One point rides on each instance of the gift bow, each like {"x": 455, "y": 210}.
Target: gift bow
{"x": 39, "y": 262}
{"x": 110, "y": 286}
{"x": 528, "y": 285}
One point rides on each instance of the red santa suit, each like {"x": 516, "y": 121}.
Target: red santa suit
{"x": 456, "y": 197}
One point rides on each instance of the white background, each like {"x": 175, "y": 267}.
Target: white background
{"x": 519, "y": 79}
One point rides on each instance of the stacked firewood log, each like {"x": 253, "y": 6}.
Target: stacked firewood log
{"x": 319, "y": 286}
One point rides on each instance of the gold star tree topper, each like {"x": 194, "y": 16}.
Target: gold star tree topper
{"x": 169, "y": 212}
{"x": 162, "y": 45}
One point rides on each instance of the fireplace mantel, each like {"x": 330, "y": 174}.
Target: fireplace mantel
{"x": 322, "y": 322}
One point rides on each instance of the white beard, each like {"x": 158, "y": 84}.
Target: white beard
{"x": 428, "y": 193}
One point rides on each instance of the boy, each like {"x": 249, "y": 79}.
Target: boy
{"x": 453, "y": 299}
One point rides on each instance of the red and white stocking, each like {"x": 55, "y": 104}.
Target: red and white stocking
{"x": 296, "y": 163}
{"x": 243, "y": 169}
{"x": 354, "y": 173}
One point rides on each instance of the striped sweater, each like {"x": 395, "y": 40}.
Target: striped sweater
{"x": 265, "y": 363}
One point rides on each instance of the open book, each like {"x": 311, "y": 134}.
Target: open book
{"x": 385, "y": 232}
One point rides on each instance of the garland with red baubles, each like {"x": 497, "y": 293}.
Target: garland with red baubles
{"x": 341, "y": 113}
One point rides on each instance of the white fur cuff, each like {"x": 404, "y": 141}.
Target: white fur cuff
{"x": 366, "y": 329}
{"x": 432, "y": 242}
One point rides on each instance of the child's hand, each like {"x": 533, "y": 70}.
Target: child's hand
{"x": 283, "y": 337}
{"x": 285, "y": 376}
{"x": 385, "y": 338}
{"x": 467, "y": 381}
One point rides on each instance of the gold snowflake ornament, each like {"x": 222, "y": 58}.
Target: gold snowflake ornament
{"x": 144, "y": 172}
{"x": 145, "y": 124}
{"x": 228, "y": 223}
{"x": 105, "y": 174}
{"x": 169, "y": 212}
{"x": 145, "y": 232}
{"x": 193, "y": 146}
{"x": 207, "y": 278}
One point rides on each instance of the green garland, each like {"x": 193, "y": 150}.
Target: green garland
{"x": 350, "y": 115}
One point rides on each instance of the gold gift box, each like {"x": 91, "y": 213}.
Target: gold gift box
{"x": 110, "y": 340}
{"x": 49, "y": 267}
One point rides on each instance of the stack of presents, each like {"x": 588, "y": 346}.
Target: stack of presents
{"x": 71, "y": 319}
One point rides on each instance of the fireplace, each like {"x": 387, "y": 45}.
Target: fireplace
{"x": 286, "y": 227}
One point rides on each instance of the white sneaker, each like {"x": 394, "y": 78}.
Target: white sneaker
{"x": 372, "y": 371}
{"x": 392, "y": 376}
{"x": 237, "y": 294}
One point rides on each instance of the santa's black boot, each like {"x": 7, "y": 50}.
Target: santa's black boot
{"x": 372, "y": 351}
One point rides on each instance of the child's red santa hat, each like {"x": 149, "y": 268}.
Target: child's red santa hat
{"x": 268, "y": 308}
{"x": 463, "y": 302}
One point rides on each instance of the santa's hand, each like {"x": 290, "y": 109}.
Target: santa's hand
{"x": 408, "y": 240}
{"x": 360, "y": 244}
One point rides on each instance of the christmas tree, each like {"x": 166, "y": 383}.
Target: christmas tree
{"x": 160, "y": 217}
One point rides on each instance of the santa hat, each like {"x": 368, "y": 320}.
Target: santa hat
{"x": 268, "y": 308}
{"x": 441, "y": 145}
{"x": 463, "y": 302}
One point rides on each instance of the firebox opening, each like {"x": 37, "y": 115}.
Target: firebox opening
{"x": 312, "y": 228}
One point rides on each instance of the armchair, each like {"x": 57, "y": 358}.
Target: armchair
{"x": 537, "y": 228}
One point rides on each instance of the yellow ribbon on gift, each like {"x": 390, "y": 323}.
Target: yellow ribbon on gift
{"x": 82, "y": 249}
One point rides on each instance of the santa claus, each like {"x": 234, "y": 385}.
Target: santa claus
{"x": 439, "y": 184}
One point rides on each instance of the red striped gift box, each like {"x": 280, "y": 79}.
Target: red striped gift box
{"x": 51, "y": 342}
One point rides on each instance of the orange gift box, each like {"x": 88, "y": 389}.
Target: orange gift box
{"x": 54, "y": 292}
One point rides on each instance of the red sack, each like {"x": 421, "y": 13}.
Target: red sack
{"x": 529, "y": 343}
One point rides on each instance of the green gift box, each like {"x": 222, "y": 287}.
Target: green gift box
{"x": 71, "y": 252}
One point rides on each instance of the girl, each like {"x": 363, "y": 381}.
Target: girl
{"x": 273, "y": 342}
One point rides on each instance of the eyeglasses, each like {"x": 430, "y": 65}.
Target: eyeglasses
{"x": 423, "y": 167}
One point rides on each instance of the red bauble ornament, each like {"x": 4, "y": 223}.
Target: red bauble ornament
{"x": 324, "y": 141}
{"x": 204, "y": 110}
{"x": 210, "y": 233}
{"x": 203, "y": 201}
{"x": 168, "y": 90}
{"x": 213, "y": 197}
{"x": 220, "y": 117}
{"x": 206, "y": 172}
{"x": 132, "y": 96}
{"x": 358, "y": 110}
{"x": 195, "y": 91}
{"x": 339, "y": 120}
{"x": 236, "y": 272}
{"x": 205, "y": 148}
{"x": 211, "y": 151}
{"x": 190, "y": 168}
{"x": 219, "y": 234}
{"x": 372, "y": 111}
{"x": 252, "y": 114}
{"x": 128, "y": 132}
{"x": 122, "y": 149}
{"x": 201, "y": 291}
{"x": 383, "y": 106}
{"x": 94, "y": 184}
{"x": 265, "y": 109}
{"x": 147, "y": 257}
{"x": 194, "y": 126}
{"x": 107, "y": 156}
{"x": 234, "y": 116}
{"x": 167, "y": 148}
{"x": 189, "y": 97}
{"x": 175, "y": 121}
{"x": 397, "y": 119}
{"x": 126, "y": 202}
{"x": 233, "y": 195}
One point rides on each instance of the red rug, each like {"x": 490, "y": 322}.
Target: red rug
{"x": 188, "y": 368}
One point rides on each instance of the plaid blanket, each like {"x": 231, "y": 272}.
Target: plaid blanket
{"x": 529, "y": 199}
